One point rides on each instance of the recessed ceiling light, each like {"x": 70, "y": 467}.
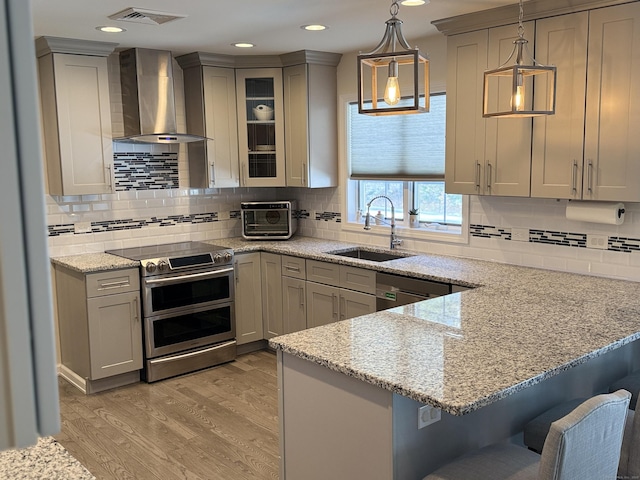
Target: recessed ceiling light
{"x": 110, "y": 29}
{"x": 314, "y": 27}
{"x": 413, "y": 3}
{"x": 243, "y": 45}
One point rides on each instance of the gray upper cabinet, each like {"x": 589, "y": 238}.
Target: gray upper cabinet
{"x": 76, "y": 115}
{"x": 588, "y": 150}
{"x": 483, "y": 156}
{"x": 558, "y": 140}
{"x": 612, "y": 113}
{"x": 210, "y": 105}
{"x": 272, "y": 119}
{"x": 310, "y": 113}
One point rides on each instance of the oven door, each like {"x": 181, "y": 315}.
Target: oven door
{"x": 191, "y": 328}
{"x": 171, "y": 293}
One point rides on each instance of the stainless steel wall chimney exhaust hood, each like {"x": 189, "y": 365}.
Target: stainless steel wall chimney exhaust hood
{"x": 148, "y": 102}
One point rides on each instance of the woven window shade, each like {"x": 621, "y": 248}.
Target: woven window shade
{"x": 398, "y": 147}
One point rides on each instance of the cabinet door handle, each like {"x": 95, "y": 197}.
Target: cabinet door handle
{"x": 590, "y": 176}
{"x": 110, "y": 177}
{"x": 343, "y": 308}
{"x": 289, "y": 268}
{"x": 301, "y": 293}
{"x": 236, "y": 272}
{"x": 478, "y": 168}
{"x": 334, "y": 299}
{"x": 135, "y": 309}
{"x": 212, "y": 175}
{"x": 574, "y": 177}
{"x": 304, "y": 174}
{"x": 489, "y": 173}
{"x": 122, "y": 283}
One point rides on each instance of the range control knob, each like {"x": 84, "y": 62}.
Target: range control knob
{"x": 227, "y": 256}
{"x": 163, "y": 266}
{"x": 150, "y": 267}
{"x": 217, "y": 258}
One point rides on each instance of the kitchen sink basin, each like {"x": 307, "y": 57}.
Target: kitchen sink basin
{"x": 372, "y": 255}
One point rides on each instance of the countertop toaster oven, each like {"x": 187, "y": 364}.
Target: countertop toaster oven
{"x": 268, "y": 220}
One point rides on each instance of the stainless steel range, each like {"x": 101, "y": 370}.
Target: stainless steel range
{"x": 188, "y": 306}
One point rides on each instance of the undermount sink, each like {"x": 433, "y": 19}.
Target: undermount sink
{"x": 372, "y": 255}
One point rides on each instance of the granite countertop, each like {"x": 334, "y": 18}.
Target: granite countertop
{"x": 94, "y": 262}
{"x": 465, "y": 350}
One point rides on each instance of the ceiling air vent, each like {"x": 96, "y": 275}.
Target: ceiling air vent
{"x": 148, "y": 17}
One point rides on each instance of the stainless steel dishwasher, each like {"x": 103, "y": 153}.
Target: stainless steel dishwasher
{"x": 395, "y": 290}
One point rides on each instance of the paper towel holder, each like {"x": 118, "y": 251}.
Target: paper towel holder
{"x": 597, "y": 212}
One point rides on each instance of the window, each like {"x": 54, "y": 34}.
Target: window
{"x": 402, "y": 158}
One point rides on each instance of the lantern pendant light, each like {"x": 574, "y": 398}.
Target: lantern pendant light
{"x": 402, "y": 72}
{"x": 508, "y": 90}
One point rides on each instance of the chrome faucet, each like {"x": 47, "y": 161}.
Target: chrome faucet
{"x": 367, "y": 222}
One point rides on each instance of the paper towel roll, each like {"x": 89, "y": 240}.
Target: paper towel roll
{"x": 596, "y": 212}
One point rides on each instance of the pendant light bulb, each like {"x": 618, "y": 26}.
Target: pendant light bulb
{"x": 517, "y": 101}
{"x": 392, "y": 90}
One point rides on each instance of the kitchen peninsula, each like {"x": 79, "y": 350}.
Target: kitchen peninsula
{"x": 490, "y": 359}
{"x": 485, "y": 360}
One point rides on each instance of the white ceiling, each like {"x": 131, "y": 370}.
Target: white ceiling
{"x": 272, "y": 25}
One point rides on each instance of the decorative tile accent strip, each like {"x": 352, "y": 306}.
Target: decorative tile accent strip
{"x": 489, "y": 231}
{"x": 234, "y": 214}
{"x": 623, "y": 244}
{"x": 145, "y": 171}
{"x": 300, "y": 214}
{"x": 134, "y": 224}
{"x": 558, "y": 238}
{"x": 329, "y": 216}
{"x": 57, "y": 230}
{"x": 563, "y": 239}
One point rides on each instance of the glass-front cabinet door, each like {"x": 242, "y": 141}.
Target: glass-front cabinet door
{"x": 261, "y": 127}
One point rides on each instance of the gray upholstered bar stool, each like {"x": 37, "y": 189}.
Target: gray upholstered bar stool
{"x": 630, "y": 383}
{"x": 585, "y": 445}
{"x": 536, "y": 430}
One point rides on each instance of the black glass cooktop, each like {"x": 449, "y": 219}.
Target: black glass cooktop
{"x": 166, "y": 250}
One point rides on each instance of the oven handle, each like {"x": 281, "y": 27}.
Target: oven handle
{"x": 193, "y": 276}
{"x": 182, "y": 356}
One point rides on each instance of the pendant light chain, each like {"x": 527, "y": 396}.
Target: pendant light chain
{"x": 520, "y": 24}
{"x": 394, "y": 9}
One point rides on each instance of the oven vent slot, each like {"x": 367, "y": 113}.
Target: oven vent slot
{"x": 148, "y": 17}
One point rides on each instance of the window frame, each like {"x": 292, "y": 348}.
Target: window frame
{"x": 350, "y": 191}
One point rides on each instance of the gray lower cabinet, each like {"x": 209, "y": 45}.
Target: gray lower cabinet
{"x": 294, "y": 304}
{"x": 271, "y": 274}
{"x": 338, "y": 292}
{"x": 248, "y": 298}
{"x": 327, "y": 304}
{"x": 100, "y": 327}
{"x": 279, "y": 294}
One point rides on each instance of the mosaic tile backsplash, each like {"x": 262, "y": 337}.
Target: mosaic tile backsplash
{"x": 145, "y": 171}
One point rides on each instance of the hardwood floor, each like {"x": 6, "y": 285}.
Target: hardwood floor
{"x": 220, "y": 423}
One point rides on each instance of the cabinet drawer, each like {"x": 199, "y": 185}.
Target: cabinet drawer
{"x": 358, "y": 279}
{"x": 323, "y": 272}
{"x": 293, "y": 267}
{"x": 114, "y": 281}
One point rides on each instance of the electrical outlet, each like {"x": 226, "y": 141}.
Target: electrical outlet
{"x": 597, "y": 241}
{"x": 82, "y": 227}
{"x": 428, "y": 415}
{"x": 520, "y": 234}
